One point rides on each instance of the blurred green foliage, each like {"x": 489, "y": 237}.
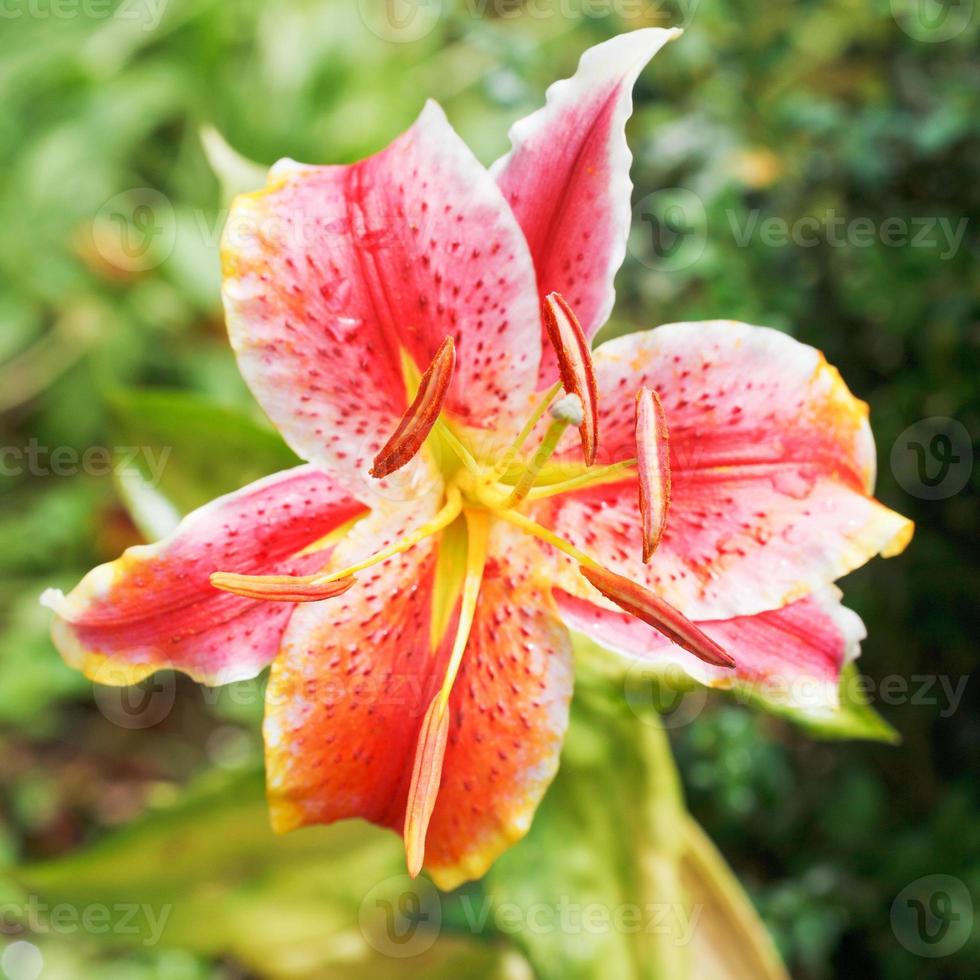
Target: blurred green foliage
{"x": 824, "y": 110}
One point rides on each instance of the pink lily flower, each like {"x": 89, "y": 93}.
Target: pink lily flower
{"x": 407, "y": 323}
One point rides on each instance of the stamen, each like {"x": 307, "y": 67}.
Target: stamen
{"x": 280, "y": 588}
{"x": 629, "y": 596}
{"x": 543, "y": 534}
{"x": 566, "y": 412}
{"x": 431, "y": 749}
{"x": 421, "y": 415}
{"x": 605, "y": 474}
{"x": 662, "y": 616}
{"x": 426, "y": 777}
{"x": 575, "y": 364}
{"x": 462, "y": 453}
{"x": 653, "y": 468}
{"x": 273, "y": 586}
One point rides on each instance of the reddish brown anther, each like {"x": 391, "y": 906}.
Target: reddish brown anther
{"x": 653, "y": 468}
{"x": 575, "y": 365}
{"x": 421, "y": 415}
{"x": 662, "y": 616}
{"x": 280, "y": 588}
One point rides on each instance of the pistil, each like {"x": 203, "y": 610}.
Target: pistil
{"x": 564, "y": 413}
{"x": 515, "y": 447}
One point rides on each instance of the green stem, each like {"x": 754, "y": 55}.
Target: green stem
{"x": 661, "y": 851}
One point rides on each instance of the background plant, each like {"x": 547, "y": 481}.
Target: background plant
{"x": 833, "y": 110}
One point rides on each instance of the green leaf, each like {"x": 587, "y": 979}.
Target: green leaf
{"x": 236, "y": 174}
{"x": 207, "y": 874}
{"x": 580, "y": 894}
{"x": 729, "y": 941}
{"x": 178, "y": 451}
{"x": 855, "y": 718}
{"x": 614, "y": 877}
{"x": 32, "y": 675}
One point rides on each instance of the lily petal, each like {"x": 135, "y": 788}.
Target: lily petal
{"x": 509, "y": 713}
{"x": 155, "y": 608}
{"x": 348, "y": 692}
{"x": 567, "y": 177}
{"x": 347, "y": 705}
{"x": 793, "y": 655}
{"x": 333, "y": 273}
{"x": 772, "y": 466}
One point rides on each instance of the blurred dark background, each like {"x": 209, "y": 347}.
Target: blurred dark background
{"x": 811, "y": 166}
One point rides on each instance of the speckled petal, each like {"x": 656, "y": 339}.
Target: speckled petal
{"x": 333, "y": 273}
{"x": 347, "y": 694}
{"x": 567, "y": 177}
{"x": 509, "y": 714}
{"x": 772, "y": 466}
{"x": 155, "y": 608}
{"x": 792, "y": 656}
{"x": 347, "y": 698}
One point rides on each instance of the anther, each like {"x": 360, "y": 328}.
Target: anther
{"x": 280, "y": 588}
{"x": 653, "y": 468}
{"x": 575, "y": 365}
{"x": 663, "y": 617}
{"x": 417, "y": 422}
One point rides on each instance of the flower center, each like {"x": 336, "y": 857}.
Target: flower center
{"x": 506, "y": 487}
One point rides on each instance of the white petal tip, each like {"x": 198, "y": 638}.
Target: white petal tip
{"x": 53, "y": 599}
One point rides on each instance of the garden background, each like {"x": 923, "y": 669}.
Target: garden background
{"x": 860, "y": 116}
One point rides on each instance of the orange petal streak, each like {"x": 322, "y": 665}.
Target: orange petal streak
{"x": 421, "y": 415}
{"x": 643, "y": 604}
{"x": 653, "y": 468}
{"x": 575, "y": 365}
